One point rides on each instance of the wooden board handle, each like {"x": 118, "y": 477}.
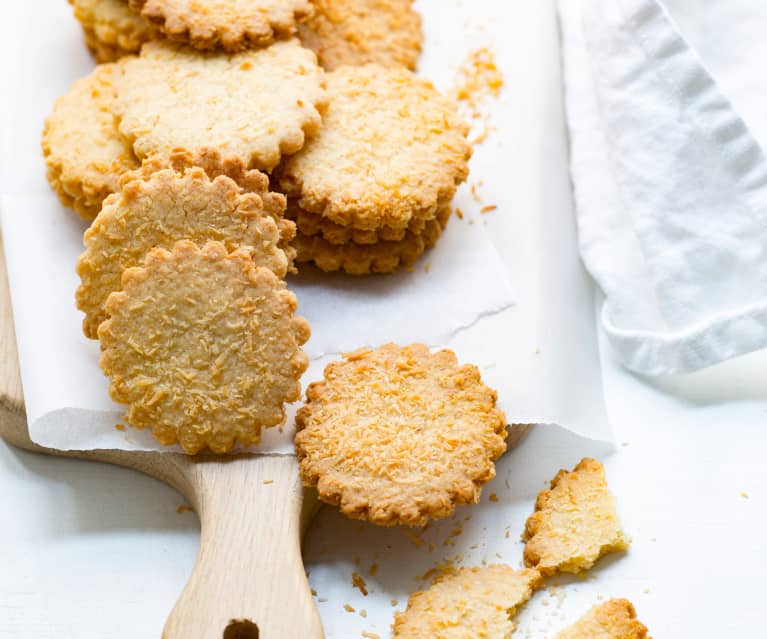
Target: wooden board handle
{"x": 249, "y": 580}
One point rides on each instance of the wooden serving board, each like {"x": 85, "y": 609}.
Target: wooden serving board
{"x": 249, "y": 580}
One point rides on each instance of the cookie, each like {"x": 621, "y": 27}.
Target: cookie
{"x": 111, "y": 28}
{"x": 614, "y": 619}
{"x": 391, "y": 150}
{"x": 313, "y": 224}
{"x": 158, "y": 209}
{"x": 84, "y": 153}
{"x": 472, "y": 603}
{"x": 398, "y": 435}
{"x": 365, "y": 259}
{"x": 252, "y": 107}
{"x": 355, "y": 32}
{"x": 203, "y": 346}
{"x": 251, "y": 181}
{"x": 232, "y": 25}
{"x": 575, "y": 522}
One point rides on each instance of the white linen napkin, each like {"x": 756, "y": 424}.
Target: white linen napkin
{"x": 670, "y": 182}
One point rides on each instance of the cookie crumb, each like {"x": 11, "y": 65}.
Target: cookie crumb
{"x": 359, "y": 582}
{"x": 478, "y": 78}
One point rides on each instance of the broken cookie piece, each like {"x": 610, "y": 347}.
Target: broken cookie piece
{"x": 614, "y": 619}
{"x": 575, "y": 522}
{"x": 474, "y": 602}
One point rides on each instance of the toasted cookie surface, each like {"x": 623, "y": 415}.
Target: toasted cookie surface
{"x": 112, "y": 29}
{"x": 161, "y": 208}
{"x": 387, "y": 32}
{"x": 229, "y": 24}
{"x": 391, "y": 150}
{"x": 474, "y": 602}
{"x": 575, "y": 522}
{"x": 84, "y": 152}
{"x": 253, "y": 106}
{"x": 203, "y": 347}
{"x": 398, "y": 435}
{"x": 377, "y": 257}
{"x": 614, "y": 619}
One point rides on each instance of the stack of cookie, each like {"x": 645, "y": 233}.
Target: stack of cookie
{"x": 372, "y": 191}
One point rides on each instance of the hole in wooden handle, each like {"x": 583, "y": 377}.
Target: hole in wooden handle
{"x": 241, "y": 629}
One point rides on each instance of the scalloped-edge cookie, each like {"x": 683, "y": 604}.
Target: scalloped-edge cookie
{"x": 575, "y": 522}
{"x": 391, "y": 150}
{"x": 365, "y": 259}
{"x": 254, "y": 106}
{"x": 157, "y": 211}
{"x": 399, "y": 435}
{"x": 111, "y": 28}
{"x": 251, "y": 181}
{"x": 471, "y": 603}
{"x": 84, "y": 152}
{"x": 355, "y": 32}
{"x": 232, "y": 25}
{"x": 614, "y": 619}
{"x": 313, "y": 224}
{"x": 203, "y": 346}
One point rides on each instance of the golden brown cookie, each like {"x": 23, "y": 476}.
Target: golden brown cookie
{"x": 112, "y": 29}
{"x": 84, "y": 152}
{"x": 203, "y": 347}
{"x": 160, "y": 208}
{"x": 254, "y": 106}
{"x": 365, "y": 259}
{"x": 232, "y": 25}
{"x": 251, "y": 181}
{"x": 391, "y": 150}
{"x": 387, "y": 32}
{"x": 472, "y": 603}
{"x": 575, "y": 522}
{"x": 313, "y": 224}
{"x": 398, "y": 435}
{"x": 614, "y": 619}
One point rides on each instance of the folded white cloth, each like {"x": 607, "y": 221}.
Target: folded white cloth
{"x": 670, "y": 181}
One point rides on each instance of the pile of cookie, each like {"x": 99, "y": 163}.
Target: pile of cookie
{"x": 211, "y": 152}
{"x": 403, "y": 435}
{"x": 369, "y": 154}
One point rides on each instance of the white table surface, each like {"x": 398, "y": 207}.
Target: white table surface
{"x": 90, "y": 551}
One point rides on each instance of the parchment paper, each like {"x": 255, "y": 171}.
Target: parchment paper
{"x": 505, "y": 290}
